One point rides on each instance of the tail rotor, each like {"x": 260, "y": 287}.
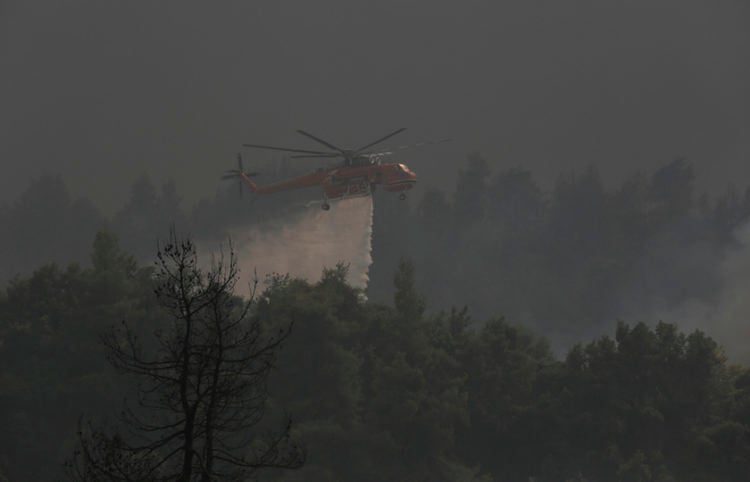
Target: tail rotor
{"x": 238, "y": 174}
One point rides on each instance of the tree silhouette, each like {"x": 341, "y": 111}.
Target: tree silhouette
{"x": 470, "y": 198}
{"x": 202, "y": 390}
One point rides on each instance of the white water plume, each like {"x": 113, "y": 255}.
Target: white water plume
{"x": 307, "y": 243}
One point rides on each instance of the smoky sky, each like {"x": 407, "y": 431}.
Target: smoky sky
{"x": 104, "y": 90}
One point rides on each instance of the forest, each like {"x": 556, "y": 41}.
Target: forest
{"x": 508, "y": 333}
{"x": 567, "y": 260}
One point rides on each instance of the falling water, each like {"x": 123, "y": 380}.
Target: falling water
{"x": 304, "y": 244}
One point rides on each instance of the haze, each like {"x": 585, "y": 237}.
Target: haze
{"x": 562, "y": 297}
{"x": 103, "y": 91}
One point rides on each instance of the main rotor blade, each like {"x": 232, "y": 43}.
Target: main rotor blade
{"x": 284, "y": 149}
{"x": 327, "y": 144}
{"x": 397, "y": 131}
{"x": 233, "y": 174}
{"x": 387, "y": 152}
{"x": 316, "y": 156}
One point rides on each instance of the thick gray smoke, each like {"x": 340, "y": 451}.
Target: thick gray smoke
{"x": 307, "y": 243}
{"x": 728, "y": 319}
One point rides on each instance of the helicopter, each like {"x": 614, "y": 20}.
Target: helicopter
{"x": 358, "y": 175}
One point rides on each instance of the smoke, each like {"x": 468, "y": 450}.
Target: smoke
{"x": 727, "y": 320}
{"x": 730, "y": 320}
{"x": 305, "y": 243}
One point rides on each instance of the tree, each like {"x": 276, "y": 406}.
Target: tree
{"x": 144, "y": 215}
{"x": 516, "y": 204}
{"x": 671, "y": 190}
{"x": 200, "y": 391}
{"x": 413, "y": 387}
{"x": 50, "y": 362}
{"x": 648, "y": 404}
{"x": 409, "y": 304}
{"x": 470, "y": 198}
{"x": 318, "y": 376}
{"x": 45, "y": 223}
{"x": 433, "y": 237}
{"x": 507, "y": 433}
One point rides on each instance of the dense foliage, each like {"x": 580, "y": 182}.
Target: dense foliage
{"x": 566, "y": 261}
{"x": 200, "y": 384}
{"x": 403, "y": 386}
{"x": 53, "y": 368}
{"x": 390, "y": 392}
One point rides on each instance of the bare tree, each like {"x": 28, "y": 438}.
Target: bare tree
{"x": 202, "y": 393}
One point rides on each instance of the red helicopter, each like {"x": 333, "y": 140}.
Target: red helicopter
{"x": 359, "y": 174}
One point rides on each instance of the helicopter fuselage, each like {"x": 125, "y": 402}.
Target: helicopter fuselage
{"x": 347, "y": 181}
{"x": 361, "y": 171}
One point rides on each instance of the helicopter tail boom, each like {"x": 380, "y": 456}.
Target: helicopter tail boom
{"x": 244, "y": 177}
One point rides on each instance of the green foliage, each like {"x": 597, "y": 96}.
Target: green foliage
{"x": 46, "y": 224}
{"x": 409, "y": 305}
{"x": 564, "y": 261}
{"x": 649, "y": 405}
{"x": 470, "y": 198}
{"x": 200, "y": 393}
{"x": 398, "y": 392}
{"x": 51, "y": 364}
{"x": 149, "y": 213}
